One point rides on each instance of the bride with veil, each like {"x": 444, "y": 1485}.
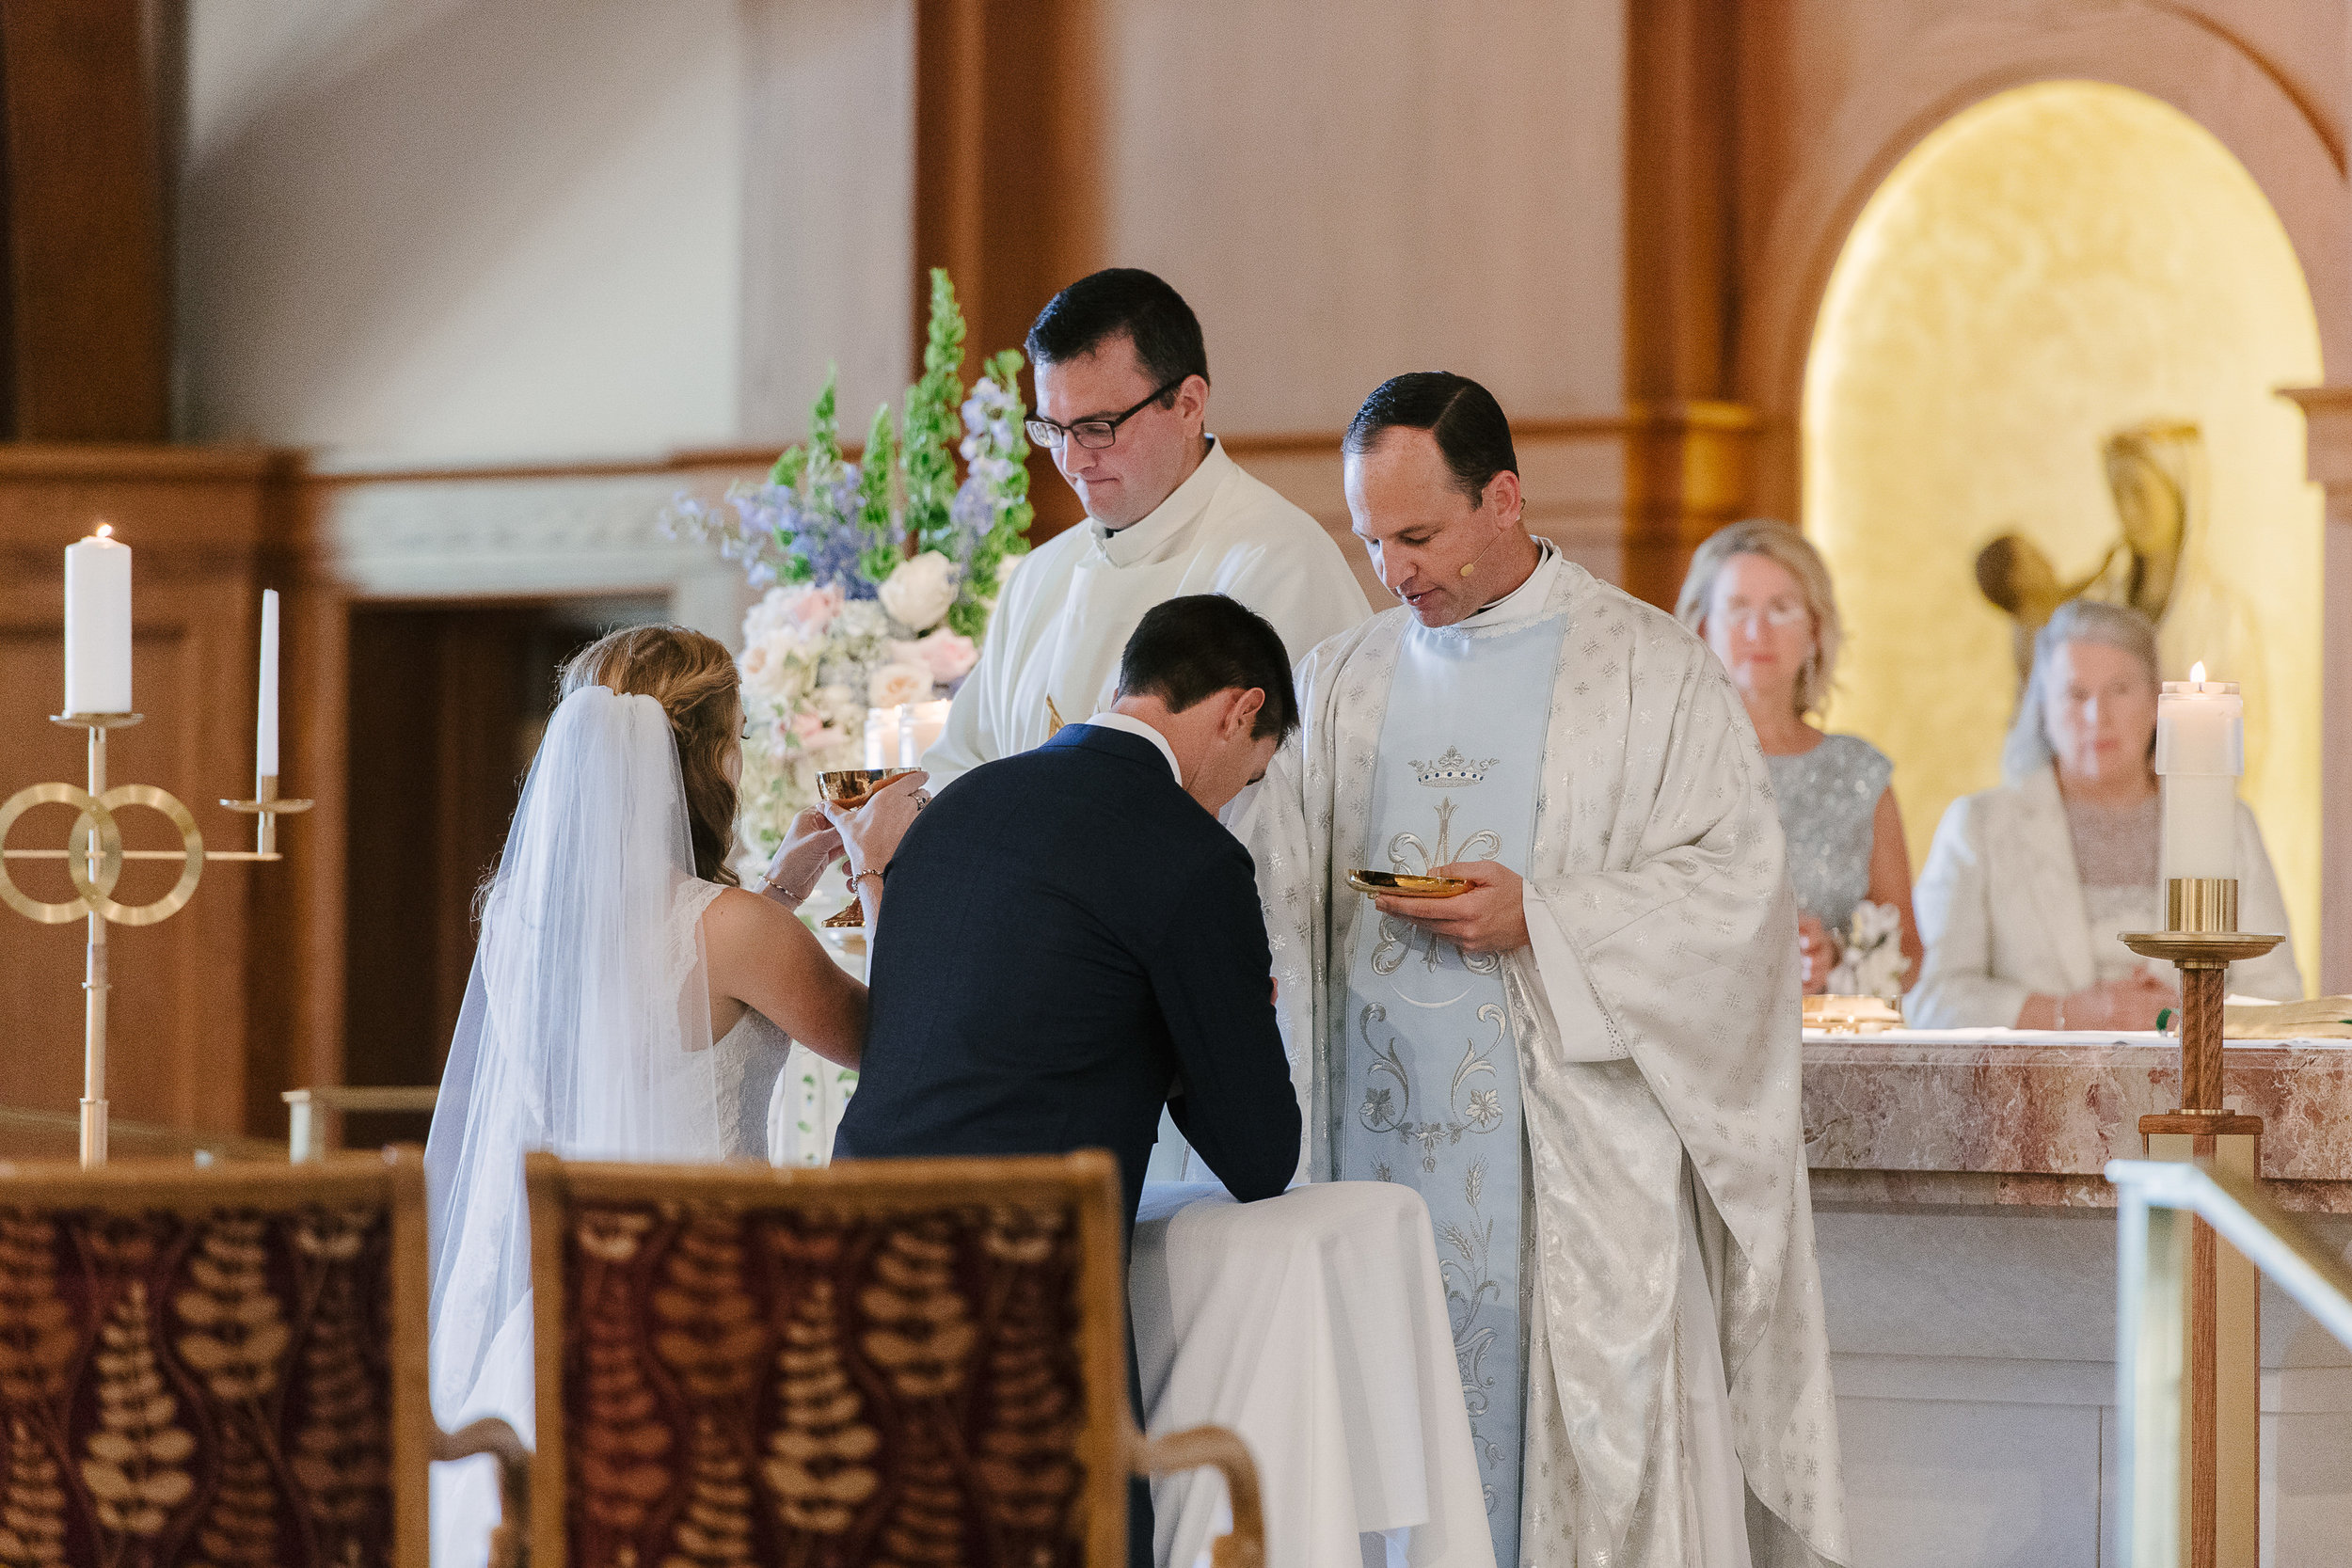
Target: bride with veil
{"x": 628, "y": 1000}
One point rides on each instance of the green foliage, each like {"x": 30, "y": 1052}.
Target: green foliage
{"x": 928, "y": 460}
{"x": 884, "y": 550}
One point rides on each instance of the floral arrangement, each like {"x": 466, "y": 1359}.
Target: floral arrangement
{"x": 1870, "y": 960}
{"x": 880, "y": 573}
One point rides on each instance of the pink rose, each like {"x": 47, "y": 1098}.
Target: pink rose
{"x": 812, "y": 609}
{"x": 948, "y": 655}
{"x": 807, "y": 726}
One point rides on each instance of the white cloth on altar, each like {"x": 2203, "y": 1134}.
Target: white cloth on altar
{"x": 1314, "y": 1325}
{"x": 1658, "y": 1022}
{"x": 1074, "y": 602}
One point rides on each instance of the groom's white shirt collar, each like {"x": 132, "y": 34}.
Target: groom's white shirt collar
{"x": 1133, "y": 725}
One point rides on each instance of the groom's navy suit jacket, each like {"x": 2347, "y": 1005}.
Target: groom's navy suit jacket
{"x": 1065, "y": 934}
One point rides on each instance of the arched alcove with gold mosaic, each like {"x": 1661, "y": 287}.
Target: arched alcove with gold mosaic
{"x": 2051, "y": 267}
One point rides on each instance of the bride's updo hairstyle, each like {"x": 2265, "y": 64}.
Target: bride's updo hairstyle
{"x": 693, "y": 678}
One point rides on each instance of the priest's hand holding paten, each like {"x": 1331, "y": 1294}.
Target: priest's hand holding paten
{"x": 1490, "y": 917}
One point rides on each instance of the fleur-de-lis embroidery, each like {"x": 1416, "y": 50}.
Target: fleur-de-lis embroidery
{"x": 1397, "y": 938}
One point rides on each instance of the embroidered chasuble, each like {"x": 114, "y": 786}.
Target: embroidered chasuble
{"x": 1640, "y": 1346}
{"x": 1432, "y": 1065}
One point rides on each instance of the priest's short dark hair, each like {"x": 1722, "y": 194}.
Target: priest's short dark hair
{"x": 1473, "y": 435}
{"x": 1123, "y": 300}
{"x": 1187, "y": 650}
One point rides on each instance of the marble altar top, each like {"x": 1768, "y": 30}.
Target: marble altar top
{"x": 1916, "y": 1116}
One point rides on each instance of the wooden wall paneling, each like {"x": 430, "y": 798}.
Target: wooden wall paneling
{"x": 179, "y": 1028}
{"x": 86, "y": 89}
{"x": 1686, "y": 468}
{"x": 1006, "y": 185}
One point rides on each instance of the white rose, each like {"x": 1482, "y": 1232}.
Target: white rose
{"x": 893, "y": 684}
{"x": 920, "y": 592}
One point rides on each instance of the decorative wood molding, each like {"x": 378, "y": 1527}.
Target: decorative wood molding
{"x": 2328, "y": 458}
{"x": 2328, "y": 443}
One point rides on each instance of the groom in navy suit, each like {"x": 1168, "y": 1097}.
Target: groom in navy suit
{"x": 1070, "y": 939}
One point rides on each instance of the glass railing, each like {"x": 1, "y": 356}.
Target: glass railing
{"x": 2154, "y": 1202}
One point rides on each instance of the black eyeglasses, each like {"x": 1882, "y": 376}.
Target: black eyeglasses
{"x": 1094, "y": 435}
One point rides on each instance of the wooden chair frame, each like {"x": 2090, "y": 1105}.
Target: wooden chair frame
{"x": 395, "y": 1179}
{"x": 1087, "y": 1181}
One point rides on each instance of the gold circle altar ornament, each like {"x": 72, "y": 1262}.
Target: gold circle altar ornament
{"x": 94, "y": 890}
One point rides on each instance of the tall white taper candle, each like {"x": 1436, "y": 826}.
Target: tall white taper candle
{"x": 98, "y": 624}
{"x": 265, "y": 710}
{"x": 2201, "y": 752}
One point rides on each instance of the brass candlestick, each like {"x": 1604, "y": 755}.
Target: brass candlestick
{"x": 2220, "y": 1506}
{"x": 97, "y": 865}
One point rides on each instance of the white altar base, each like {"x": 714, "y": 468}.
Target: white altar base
{"x": 1967, "y": 1255}
{"x": 1974, "y": 1356}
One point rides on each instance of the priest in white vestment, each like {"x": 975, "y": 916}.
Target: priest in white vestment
{"x": 1588, "y": 1062}
{"x": 1122, "y": 397}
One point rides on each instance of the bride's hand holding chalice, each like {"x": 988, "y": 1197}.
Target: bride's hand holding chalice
{"x": 871, "y": 808}
{"x": 810, "y": 845}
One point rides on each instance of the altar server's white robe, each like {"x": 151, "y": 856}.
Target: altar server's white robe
{"x": 1074, "y": 602}
{"x": 1658, "y": 1020}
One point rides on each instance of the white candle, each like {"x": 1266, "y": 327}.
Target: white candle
{"x": 883, "y": 744}
{"x": 98, "y": 624}
{"x": 924, "y": 729}
{"x": 265, "y": 711}
{"x": 2201, "y": 752}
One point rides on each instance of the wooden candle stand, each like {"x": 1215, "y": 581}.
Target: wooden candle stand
{"x": 2221, "y": 1504}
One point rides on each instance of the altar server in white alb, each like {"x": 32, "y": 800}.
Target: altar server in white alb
{"x": 1122, "y": 403}
{"x": 1614, "y": 1003}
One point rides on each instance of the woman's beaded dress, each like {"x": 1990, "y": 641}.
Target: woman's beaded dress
{"x": 1829, "y": 799}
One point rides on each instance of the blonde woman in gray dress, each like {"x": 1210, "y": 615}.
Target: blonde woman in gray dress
{"x": 1759, "y": 594}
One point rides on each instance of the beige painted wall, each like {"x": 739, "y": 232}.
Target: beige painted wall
{"x": 827, "y": 208}
{"x": 463, "y": 230}
{"x": 1348, "y": 191}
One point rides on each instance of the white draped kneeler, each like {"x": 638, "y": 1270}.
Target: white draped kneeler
{"x": 1314, "y": 1324}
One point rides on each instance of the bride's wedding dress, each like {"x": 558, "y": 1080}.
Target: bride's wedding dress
{"x": 585, "y": 1030}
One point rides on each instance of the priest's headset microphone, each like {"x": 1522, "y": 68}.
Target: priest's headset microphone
{"x": 1471, "y": 564}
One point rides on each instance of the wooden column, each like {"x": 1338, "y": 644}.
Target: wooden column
{"x": 1007, "y": 182}
{"x": 2328, "y": 414}
{"x": 88, "y": 104}
{"x": 1687, "y": 469}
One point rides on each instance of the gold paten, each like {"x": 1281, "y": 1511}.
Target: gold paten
{"x": 1399, "y": 885}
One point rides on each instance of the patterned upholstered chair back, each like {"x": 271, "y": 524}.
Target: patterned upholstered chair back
{"x": 911, "y": 1362}
{"x": 217, "y": 1366}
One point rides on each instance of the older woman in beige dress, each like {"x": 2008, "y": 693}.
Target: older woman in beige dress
{"x": 2028, "y": 886}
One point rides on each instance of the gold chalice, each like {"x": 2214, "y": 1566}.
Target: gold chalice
{"x": 851, "y": 787}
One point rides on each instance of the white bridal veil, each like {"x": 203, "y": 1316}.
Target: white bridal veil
{"x": 585, "y": 1030}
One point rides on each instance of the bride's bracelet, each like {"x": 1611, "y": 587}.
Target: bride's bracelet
{"x": 857, "y": 876}
{"x": 770, "y": 884}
